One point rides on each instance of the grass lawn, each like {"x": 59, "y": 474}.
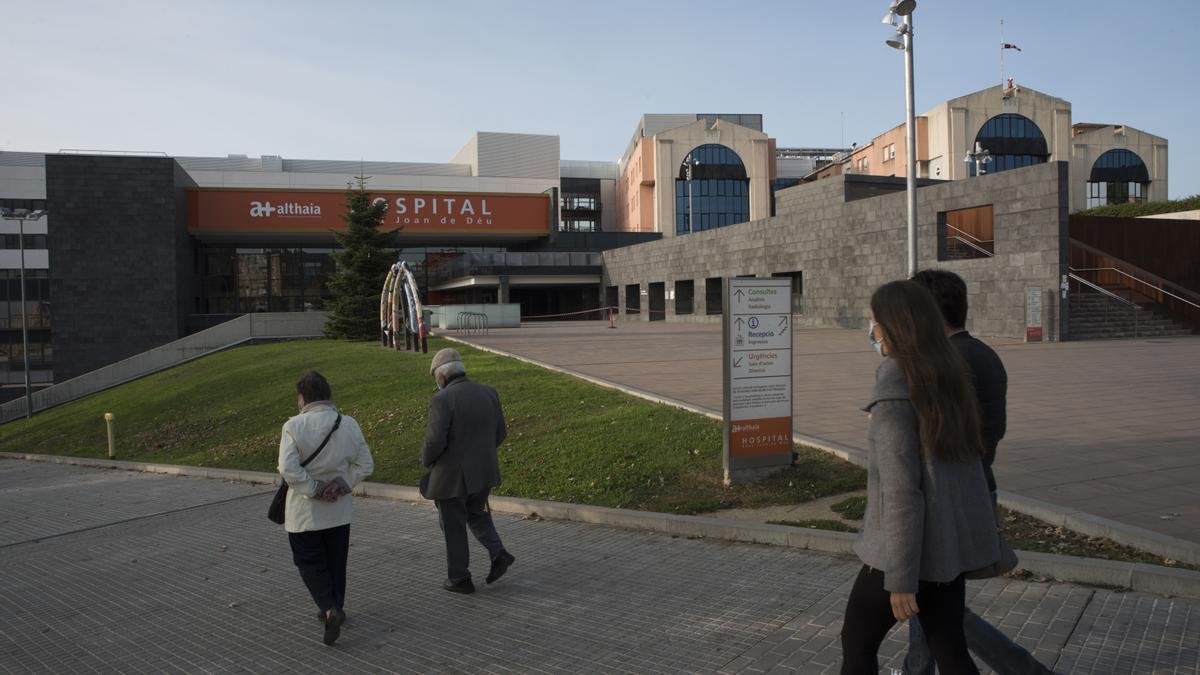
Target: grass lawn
{"x": 568, "y": 440}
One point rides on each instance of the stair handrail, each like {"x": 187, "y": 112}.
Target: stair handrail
{"x": 970, "y": 236}
{"x": 1144, "y": 283}
{"x": 977, "y": 248}
{"x": 1145, "y": 274}
{"x": 1102, "y": 290}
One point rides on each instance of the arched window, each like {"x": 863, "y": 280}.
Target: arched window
{"x": 712, "y": 190}
{"x": 1118, "y": 177}
{"x": 1013, "y": 141}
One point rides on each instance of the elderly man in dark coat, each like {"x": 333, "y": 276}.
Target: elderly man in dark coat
{"x": 466, "y": 424}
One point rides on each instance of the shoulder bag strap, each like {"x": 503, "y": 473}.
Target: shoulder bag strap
{"x": 337, "y": 423}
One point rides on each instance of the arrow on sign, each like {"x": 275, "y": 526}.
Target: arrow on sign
{"x": 783, "y": 323}
{"x": 739, "y": 294}
{"x": 739, "y": 323}
{"x": 738, "y": 363}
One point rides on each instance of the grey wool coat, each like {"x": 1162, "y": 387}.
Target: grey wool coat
{"x": 926, "y": 519}
{"x": 466, "y": 424}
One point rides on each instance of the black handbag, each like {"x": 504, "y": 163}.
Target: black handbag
{"x": 275, "y": 512}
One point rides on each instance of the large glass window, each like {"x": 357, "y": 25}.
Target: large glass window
{"x": 239, "y": 280}
{"x": 1117, "y": 177}
{"x": 32, "y": 241}
{"x": 37, "y": 316}
{"x": 1013, "y": 140}
{"x": 712, "y": 190}
{"x": 579, "y": 225}
{"x": 580, "y": 205}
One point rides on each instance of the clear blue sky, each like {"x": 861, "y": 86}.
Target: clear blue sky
{"x": 408, "y": 81}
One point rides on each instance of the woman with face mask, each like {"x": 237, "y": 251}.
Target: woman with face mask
{"x": 929, "y": 516}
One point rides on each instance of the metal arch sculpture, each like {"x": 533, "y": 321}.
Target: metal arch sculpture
{"x": 385, "y": 306}
{"x": 401, "y": 311}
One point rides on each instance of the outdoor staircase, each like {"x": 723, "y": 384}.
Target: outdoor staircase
{"x": 959, "y": 249}
{"x": 1097, "y": 317}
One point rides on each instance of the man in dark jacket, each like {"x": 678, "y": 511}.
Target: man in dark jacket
{"x": 466, "y": 424}
{"x": 991, "y": 389}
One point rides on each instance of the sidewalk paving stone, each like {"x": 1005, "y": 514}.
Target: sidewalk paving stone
{"x": 187, "y": 575}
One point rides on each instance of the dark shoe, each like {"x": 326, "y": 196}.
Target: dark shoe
{"x": 465, "y": 586}
{"x": 500, "y": 565}
{"x": 333, "y": 625}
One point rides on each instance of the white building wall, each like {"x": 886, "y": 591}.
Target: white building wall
{"x": 23, "y": 176}
{"x": 953, "y": 126}
{"x": 673, "y": 145}
{"x": 1087, "y": 147}
{"x": 517, "y": 155}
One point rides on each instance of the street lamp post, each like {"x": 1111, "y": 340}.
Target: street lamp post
{"x": 21, "y": 215}
{"x": 904, "y": 31}
{"x": 980, "y": 156}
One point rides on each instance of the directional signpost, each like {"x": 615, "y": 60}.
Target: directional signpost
{"x": 757, "y": 343}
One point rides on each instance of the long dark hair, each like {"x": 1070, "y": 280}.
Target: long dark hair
{"x": 938, "y": 385}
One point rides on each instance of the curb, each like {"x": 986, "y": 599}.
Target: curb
{"x": 1131, "y": 576}
{"x": 1096, "y": 526}
{"x": 1060, "y": 516}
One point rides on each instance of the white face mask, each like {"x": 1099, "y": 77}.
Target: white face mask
{"x": 878, "y": 345}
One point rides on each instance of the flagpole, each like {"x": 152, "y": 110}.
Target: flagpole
{"x": 1001, "y": 53}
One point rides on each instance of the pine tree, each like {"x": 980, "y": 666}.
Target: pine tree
{"x": 362, "y": 264}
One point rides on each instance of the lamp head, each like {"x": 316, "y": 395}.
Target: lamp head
{"x": 889, "y": 19}
{"x": 903, "y": 7}
{"x": 894, "y": 43}
{"x": 22, "y": 214}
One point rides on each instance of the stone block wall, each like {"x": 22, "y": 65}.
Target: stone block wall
{"x": 847, "y": 249}
{"x": 117, "y": 247}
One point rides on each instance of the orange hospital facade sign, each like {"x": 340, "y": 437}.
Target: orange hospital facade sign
{"x": 306, "y": 211}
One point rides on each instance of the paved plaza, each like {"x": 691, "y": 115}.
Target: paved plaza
{"x": 113, "y": 571}
{"x": 1110, "y": 428}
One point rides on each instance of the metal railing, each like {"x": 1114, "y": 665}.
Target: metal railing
{"x": 1134, "y": 308}
{"x": 1180, "y": 303}
{"x": 974, "y": 243}
{"x": 1127, "y": 275}
{"x": 472, "y": 322}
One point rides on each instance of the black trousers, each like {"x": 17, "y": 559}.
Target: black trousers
{"x": 321, "y": 556}
{"x": 869, "y": 618}
{"x": 456, "y": 515}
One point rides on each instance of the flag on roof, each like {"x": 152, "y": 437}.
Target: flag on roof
{"x": 1008, "y": 45}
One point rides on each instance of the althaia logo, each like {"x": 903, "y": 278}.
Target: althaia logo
{"x": 266, "y": 209}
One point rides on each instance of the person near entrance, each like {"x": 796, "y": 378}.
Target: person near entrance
{"x": 928, "y": 513}
{"x": 466, "y": 425}
{"x": 322, "y": 456}
{"x": 990, "y": 382}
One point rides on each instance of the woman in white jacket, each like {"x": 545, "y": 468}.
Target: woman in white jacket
{"x": 319, "y": 507}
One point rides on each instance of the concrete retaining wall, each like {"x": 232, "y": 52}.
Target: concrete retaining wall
{"x": 847, "y": 248}
{"x": 243, "y": 329}
{"x": 498, "y": 315}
